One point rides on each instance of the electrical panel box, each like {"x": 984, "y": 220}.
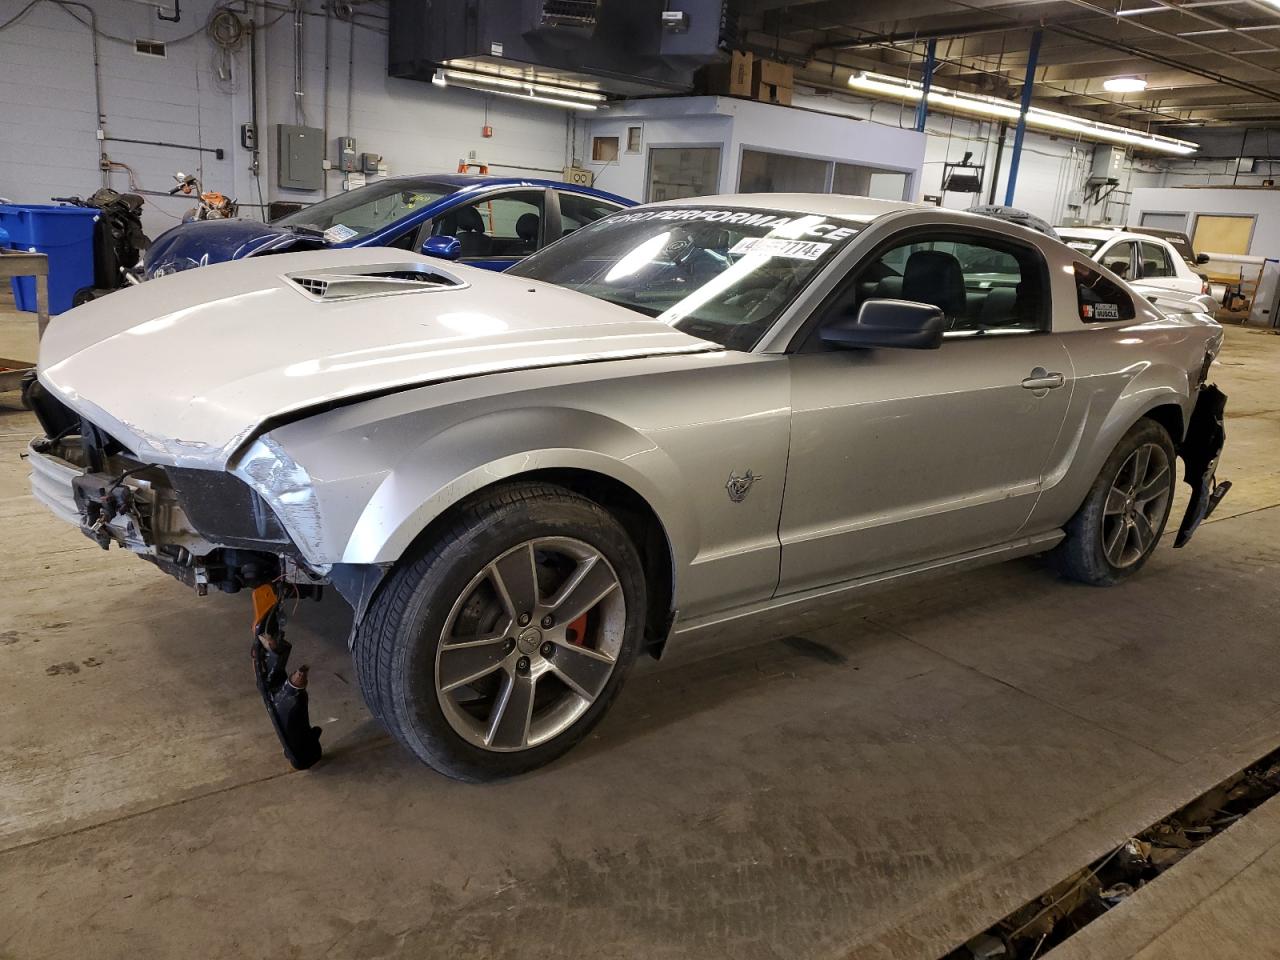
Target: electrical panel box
{"x": 347, "y": 154}
{"x": 1108, "y": 164}
{"x": 299, "y": 157}
{"x": 370, "y": 162}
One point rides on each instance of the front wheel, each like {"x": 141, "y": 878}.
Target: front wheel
{"x": 1120, "y": 522}
{"x": 499, "y": 644}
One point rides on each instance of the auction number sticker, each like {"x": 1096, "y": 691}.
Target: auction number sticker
{"x": 339, "y": 232}
{"x": 780, "y": 247}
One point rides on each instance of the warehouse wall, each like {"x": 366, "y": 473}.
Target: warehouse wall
{"x": 1052, "y": 170}
{"x": 1260, "y": 203}
{"x": 1216, "y": 162}
{"x": 735, "y": 125}
{"x": 47, "y": 106}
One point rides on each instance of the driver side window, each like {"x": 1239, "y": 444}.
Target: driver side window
{"x": 508, "y": 225}
{"x": 980, "y": 283}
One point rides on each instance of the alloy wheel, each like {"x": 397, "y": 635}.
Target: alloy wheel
{"x": 530, "y": 644}
{"x": 1136, "y": 505}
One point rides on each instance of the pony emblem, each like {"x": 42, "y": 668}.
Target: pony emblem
{"x": 739, "y": 486}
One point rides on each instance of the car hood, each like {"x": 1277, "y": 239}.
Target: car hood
{"x": 203, "y": 242}
{"x": 184, "y": 369}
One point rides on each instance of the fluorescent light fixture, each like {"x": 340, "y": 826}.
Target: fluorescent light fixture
{"x": 574, "y": 98}
{"x": 1124, "y": 84}
{"x": 982, "y": 105}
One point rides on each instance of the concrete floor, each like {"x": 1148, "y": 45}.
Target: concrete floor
{"x": 886, "y": 786}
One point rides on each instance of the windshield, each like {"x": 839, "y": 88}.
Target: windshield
{"x": 1086, "y": 245}
{"x": 366, "y": 210}
{"x": 720, "y": 273}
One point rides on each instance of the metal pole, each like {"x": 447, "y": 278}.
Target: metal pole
{"x": 1027, "y": 85}
{"x": 995, "y": 174}
{"x": 930, "y": 61}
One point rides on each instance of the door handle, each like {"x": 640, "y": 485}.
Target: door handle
{"x": 1042, "y": 379}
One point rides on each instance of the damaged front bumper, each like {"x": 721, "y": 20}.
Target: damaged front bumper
{"x": 204, "y": 528}
{"x": 1200, "y": 452}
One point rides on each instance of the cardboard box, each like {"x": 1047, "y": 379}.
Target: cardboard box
{"x": 732, "y": 79}
{"x": 771, "y": 93}
{"x": 772, "y": 74}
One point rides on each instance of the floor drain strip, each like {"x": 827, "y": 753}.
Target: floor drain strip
{"x": 1070, "y": 905}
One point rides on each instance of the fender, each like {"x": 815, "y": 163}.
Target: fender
{"x": 1099, "y": 424}
{"x": 501, "y": 445}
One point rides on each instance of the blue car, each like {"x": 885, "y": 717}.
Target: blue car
{"x": 489, "y": 222}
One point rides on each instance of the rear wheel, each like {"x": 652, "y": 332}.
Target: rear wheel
{"x": 1121, "y": 520}
{"x": 503, "y": 641}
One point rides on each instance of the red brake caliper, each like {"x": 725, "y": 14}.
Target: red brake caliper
{"x": 576, "y": 632}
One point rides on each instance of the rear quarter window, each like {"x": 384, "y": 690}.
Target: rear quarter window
{"x": 1101, "y": 300}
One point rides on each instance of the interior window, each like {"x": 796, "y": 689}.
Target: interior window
{"x": 1156, "y": 261}
{"x": 507, "y": 225}
{"x": 980, "y": 284}
{"x": 577, "y": 211}
{"x": 1119, "y": 260}
{"x": 1100, "y": 299}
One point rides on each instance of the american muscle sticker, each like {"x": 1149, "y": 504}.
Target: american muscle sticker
{"x": 778, "y": 247}
{"x": 1101, "y": 311}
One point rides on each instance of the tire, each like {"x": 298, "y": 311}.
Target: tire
{"x": 1120, "y": 522}
{"x": 445, "y": 655}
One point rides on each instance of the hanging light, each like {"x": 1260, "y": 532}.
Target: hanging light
{"x": 1124, "y": 84}
{"x": 982, "y": 105}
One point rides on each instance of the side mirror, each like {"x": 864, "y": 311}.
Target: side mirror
{"x": 887, "y": 323}
{"x": 446, "y": 248}
{"x": 1202, "y": 258}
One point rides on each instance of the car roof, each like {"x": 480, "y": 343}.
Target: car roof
{"x": 1106, "y": 233}
{"x": 1093, "y": 233}
{"x": 466, "y": 181}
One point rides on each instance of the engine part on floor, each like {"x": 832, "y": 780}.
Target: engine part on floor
{"x": 1065, "y": 908}
{"x": 284, "y": 694}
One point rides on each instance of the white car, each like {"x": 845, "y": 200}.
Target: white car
{"x": 1144, "y": 261}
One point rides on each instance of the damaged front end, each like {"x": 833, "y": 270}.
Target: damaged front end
{"x": 206, "y": 528}
{"x": 1200, "y": 450}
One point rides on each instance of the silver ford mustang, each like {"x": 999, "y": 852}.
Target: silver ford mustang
{"x": 684, "y": 422}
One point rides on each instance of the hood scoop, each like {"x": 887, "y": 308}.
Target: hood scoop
{"x": 372, "y": 280}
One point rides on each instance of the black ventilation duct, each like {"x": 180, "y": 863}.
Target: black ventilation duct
{"x": 620, "y": 47}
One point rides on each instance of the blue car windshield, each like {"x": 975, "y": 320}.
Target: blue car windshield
{"x": 366, "y": 210}
{"x": 720, "y": 273}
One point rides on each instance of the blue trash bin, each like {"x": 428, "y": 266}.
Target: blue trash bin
{"x": 65, "y": 236}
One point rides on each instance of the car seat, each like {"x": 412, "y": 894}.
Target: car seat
{"x": 889, "y": 288}
{"x": 527, "y": 230}
{"x": 470, "y": 232}
{"x": 1000, "y": 308}
{"x": 936, "y": 277}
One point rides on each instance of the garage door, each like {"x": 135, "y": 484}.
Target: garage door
{"x": 1166, "y": 221}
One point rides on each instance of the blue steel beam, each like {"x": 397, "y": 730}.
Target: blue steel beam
{"x": 1027, "y": 85}
{"x": 930, "y": 63}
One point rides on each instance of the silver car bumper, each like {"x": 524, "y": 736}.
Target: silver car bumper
{"x": 51, "y": 483}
